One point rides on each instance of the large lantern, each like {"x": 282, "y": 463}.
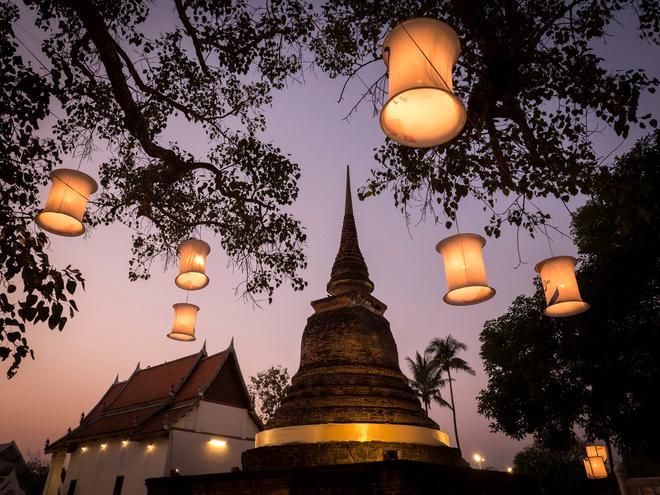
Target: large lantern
{"x": 66, "y": 202}
{"x": 562, "y": 294}
{"x": 192, "y": 265}
{"x": 183, "y": 327}
{"x": 465, "y": 271}
{"x": 595, "y": 467}
{"x": 597, "y": 451}
{"x": 421, "y": 110}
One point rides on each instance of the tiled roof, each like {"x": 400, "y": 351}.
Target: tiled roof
{"x": 149, "y": 400}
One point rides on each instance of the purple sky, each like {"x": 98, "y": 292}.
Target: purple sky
{"x": 121, "y": 323}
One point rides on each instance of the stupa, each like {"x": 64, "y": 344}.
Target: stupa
{"x": 349, "y": 402}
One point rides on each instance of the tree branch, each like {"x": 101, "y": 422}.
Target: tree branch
{"x": 190, "y": 30}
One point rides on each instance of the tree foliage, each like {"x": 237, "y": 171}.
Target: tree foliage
{"x": 116, "y": 78}
{"x": 123, "y": 81}
{"x": 558, "y": 471}
{"x": 427, "y": 380}
{"x": 33, "y": 290}
{"x": 597, "y": 371}
{"x": 267, "y": 389}
{"x": 534, "y": 89}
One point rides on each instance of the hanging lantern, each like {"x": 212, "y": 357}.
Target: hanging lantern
{"x": 192, "y": 265}
{"x": 562, "y": 294}
{"x": 183, "y": 328}
{"x": 597, "y": 451}
{"x": 66, "y": 202}
{"x": 465, "y": 271}
{"x": 595, "y": 467}
{"x": 422, "y": 110}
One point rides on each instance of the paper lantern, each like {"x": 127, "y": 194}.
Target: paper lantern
{"x": 192, "y": 265}
{"x": 183, "y": 328}
{"x": 595, "y": 467}
{"x": 421, "y": 110}
{"x": 465, "y": 270}
{"x": 562, "y": 294}
{"x": 66, "y": 202}
{"x": 597, "y": 451}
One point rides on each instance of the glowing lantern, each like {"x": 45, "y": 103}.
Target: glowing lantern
{"x": 465, "y": 270}
{"x": 192, "y": 264}
{"x": 595, "y": 467}
{"x": 66, "y": 202}
{"x": 561, "y": 290}
{"x": 422, "y": 110}
{"x": 597, "y": 451}
{"x": 183, "y": 328}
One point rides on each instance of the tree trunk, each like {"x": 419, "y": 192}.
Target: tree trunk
{"x": 453, "y": 409}
{"x": 610, "y": 458}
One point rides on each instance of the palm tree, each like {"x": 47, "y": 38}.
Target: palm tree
{"x": 445, "y": 359}
{"x": 427, "y": 380}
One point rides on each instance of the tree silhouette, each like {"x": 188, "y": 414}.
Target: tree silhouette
{"x": 445, "y": 358}
{"x": 597, "y": 371}
{"x": 535, "y": 92}
{"x": 426, "y": 380}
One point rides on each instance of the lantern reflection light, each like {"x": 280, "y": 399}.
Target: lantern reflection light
{"x": 183, "y": 328}
{"x": 192, "y": 264}
{"x": 562, "y": 293}
{"x": 422, "y": 110}
{"x": 465, "y": 271}
{"x": 67, "y": 199}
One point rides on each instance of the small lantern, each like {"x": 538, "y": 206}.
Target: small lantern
{"x": 595, "y": 467}
{"x": 192, "y": 264}
{"x": 597, "y": 451}
{"x": 562, "y": 294}
{"x": 183, "y": 328}
{"x": 422, "y": 110}
{"x": 66, "y": 202}
{"x": 465, "y": 271}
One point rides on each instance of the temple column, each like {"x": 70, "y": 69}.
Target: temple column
{"x": 54, "y": 479}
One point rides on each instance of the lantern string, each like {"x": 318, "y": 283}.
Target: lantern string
{"x": 547, "y": 238}
{"x": 187, "y": 296}
{"x": 70, "y": 187}
{"x": 424, "y": 54}
{"x": 460, "y": 243}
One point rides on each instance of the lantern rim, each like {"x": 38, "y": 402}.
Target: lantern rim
{"x": 452, "y": 97}
{"x": 44, "y": 215}
{"x": 399, "y": 25}
{"x": 558, "y": 310}
{"x": 182, "y": 285}
{"x": 178, "y": 305}
{"x": 540, "y": 264}
{"x": 488, "y": 294}
{"x": 93, "y": 185}
{"x": 182, "y": 337}
{"x": 451, "y": 238}
{"x": 204, "y": 244}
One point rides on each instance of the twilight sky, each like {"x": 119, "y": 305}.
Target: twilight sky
{"x": 121, "y": 323}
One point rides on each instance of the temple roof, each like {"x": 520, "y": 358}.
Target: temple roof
{"x": 349, "y": 271}
{"x": 154, "y": 398}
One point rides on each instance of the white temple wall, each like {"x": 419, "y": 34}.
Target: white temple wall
{"x": 96, "y": 469}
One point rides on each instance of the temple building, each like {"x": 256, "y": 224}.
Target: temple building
{"x": 185, "y": 417}
{"x": 349, "y": 402}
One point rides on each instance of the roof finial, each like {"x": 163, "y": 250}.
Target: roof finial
{"x": 348, "y": 202}
{"x": 349, "y": 272}
{"x": 202, "y": 351}
{"x": 116, "y": 379}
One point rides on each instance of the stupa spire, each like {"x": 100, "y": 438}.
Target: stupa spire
{"x": 349, "y": 272}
